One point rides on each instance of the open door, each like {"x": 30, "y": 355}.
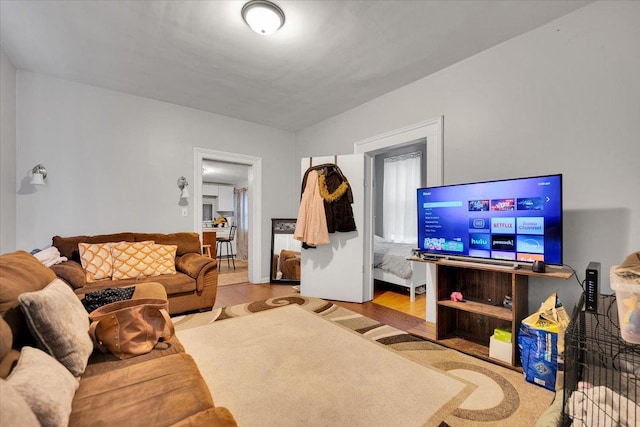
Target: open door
{"x": 337, "y": 271}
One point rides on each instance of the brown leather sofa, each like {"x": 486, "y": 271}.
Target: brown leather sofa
{"x": 161, "y": 388}
{"x": 193, "y": 287}
{"x": 289, "y": 265}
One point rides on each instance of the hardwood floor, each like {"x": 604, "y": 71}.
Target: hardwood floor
{"x": 230, "y": 276}
{"x": 247, "y": 292}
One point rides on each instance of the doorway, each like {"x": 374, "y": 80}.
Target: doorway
{"x": 225, "y": 211}
{"x": 397, "y": 173}
{"x": 430, "y": 133}
{"x": 204, "y": 157}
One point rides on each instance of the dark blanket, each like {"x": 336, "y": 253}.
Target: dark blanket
{"x": 97, "y": 299}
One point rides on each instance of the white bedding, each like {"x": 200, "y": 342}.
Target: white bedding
{"x": 392, "y": 257}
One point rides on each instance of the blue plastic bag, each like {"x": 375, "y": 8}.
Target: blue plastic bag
{"x": 539, "y": 356}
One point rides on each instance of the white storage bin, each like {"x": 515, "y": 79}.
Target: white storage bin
{"x": 500, "y": 350}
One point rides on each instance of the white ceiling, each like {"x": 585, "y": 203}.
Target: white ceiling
{"x": 329, "y": 57}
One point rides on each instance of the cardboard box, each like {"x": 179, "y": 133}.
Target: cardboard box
{"x": 500, "y": 350}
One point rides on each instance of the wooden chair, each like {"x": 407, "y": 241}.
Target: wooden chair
{"x": 226, "y": 243}
{"x": 206, "y": 250}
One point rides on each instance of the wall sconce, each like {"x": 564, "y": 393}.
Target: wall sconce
{"x": 38, "y": 174}
{"x": 182, "y": 185}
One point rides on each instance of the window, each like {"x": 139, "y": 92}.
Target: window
{"x": 401, "y": 179}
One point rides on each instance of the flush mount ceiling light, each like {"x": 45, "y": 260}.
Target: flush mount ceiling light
{"x": 262, "y": 16}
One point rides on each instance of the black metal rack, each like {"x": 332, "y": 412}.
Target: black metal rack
{"x": 602, "y": 371}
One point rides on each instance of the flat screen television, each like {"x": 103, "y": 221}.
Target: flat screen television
{"x": 517, "y": 220}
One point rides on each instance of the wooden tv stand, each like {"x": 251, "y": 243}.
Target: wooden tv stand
{"x": 467, "y": 326}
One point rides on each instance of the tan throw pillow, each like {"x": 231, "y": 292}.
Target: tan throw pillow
{"x": 60, "y": 324}
{"x": 165, "y": 257}
{"x": 133, "y": 260}
{"x": 46, "y": 386}
{"x": 96, "y": 260}
{"x": 14, "y": 410}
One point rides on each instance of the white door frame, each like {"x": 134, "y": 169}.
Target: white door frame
{"x": 432, "y": 130}
{"x": 255, "y": 201}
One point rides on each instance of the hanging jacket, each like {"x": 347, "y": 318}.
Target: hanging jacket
{"x": 311, "y": 225}
{"x": 336, "y": 193}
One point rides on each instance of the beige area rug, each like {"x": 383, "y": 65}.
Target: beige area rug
{"x": 291, "y": 367}
{"x": 228, "y": 276}
{"x": 497, "y": 396}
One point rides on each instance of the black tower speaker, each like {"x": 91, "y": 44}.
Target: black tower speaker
{"x": 591, "y": 286}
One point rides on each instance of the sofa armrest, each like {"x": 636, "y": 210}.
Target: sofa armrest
{"x": 218, "y": 416}
{"x": 196, "y": 266}
{"x": 71, "y": 272}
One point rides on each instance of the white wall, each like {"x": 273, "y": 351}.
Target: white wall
{"x": 7, "y": 154}
{"x": 563, "y": 98}
{"x": 113, "y": 161}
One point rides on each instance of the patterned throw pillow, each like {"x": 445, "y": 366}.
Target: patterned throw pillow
{"x": 133, "y": 260}
{"x": 165, "y": 257}
{"x": 96, "y": 260}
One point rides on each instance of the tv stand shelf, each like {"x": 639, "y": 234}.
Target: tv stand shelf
{"x": 486, "y": 309}
{"x": 467, "y": 326}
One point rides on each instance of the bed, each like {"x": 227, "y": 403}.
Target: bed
{"x": 391, "y": 265}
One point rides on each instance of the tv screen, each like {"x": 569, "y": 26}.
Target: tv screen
{"x": 517, "y": 220}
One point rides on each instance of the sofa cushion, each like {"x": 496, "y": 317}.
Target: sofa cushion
{"x": 14, "y": 410}
{"x": 6, "y": 338}
{"x": 68, "y": 246}
{"x": 20, "y": 272}
{"x": 164, "y": 391}
{"x": 165, "y": 258}
{"x": 100, "y": 362}
{"x": 173, "y": 284}
{"x": 71, "y": 272}
{"x": 133, "y": 260}
{"x": 186, "y": 242}
{"x": 212, "y": 417}
{"x": 96, "y": 260}
{"x": 45, "y": 385}
{"x": 58, "y": 320}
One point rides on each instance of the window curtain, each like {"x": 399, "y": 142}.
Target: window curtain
{"x": 399, "y": 210}
{"x": 242, "y": 222}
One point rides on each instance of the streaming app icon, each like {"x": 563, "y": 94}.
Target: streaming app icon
{"x": 480, "y": 241}
{"x": 530, "y": 225}
{"x": 530, "y": 257}
{"x": 532, "y": 244}
{"x": 478, "y": 205}
{"x": 503, "y": 255}
{"x": 530, "y": 204}
{"x": 503, "y": 204}
{"x": 503, "y": 242}
{"x": 479, "y": 225}
{"x": 503, "y": 225}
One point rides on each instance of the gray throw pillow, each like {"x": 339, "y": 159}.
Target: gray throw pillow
{"x": 14, "y": 410}
{"x": 46, "y": 386}
{"x": 60, "y": 324}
